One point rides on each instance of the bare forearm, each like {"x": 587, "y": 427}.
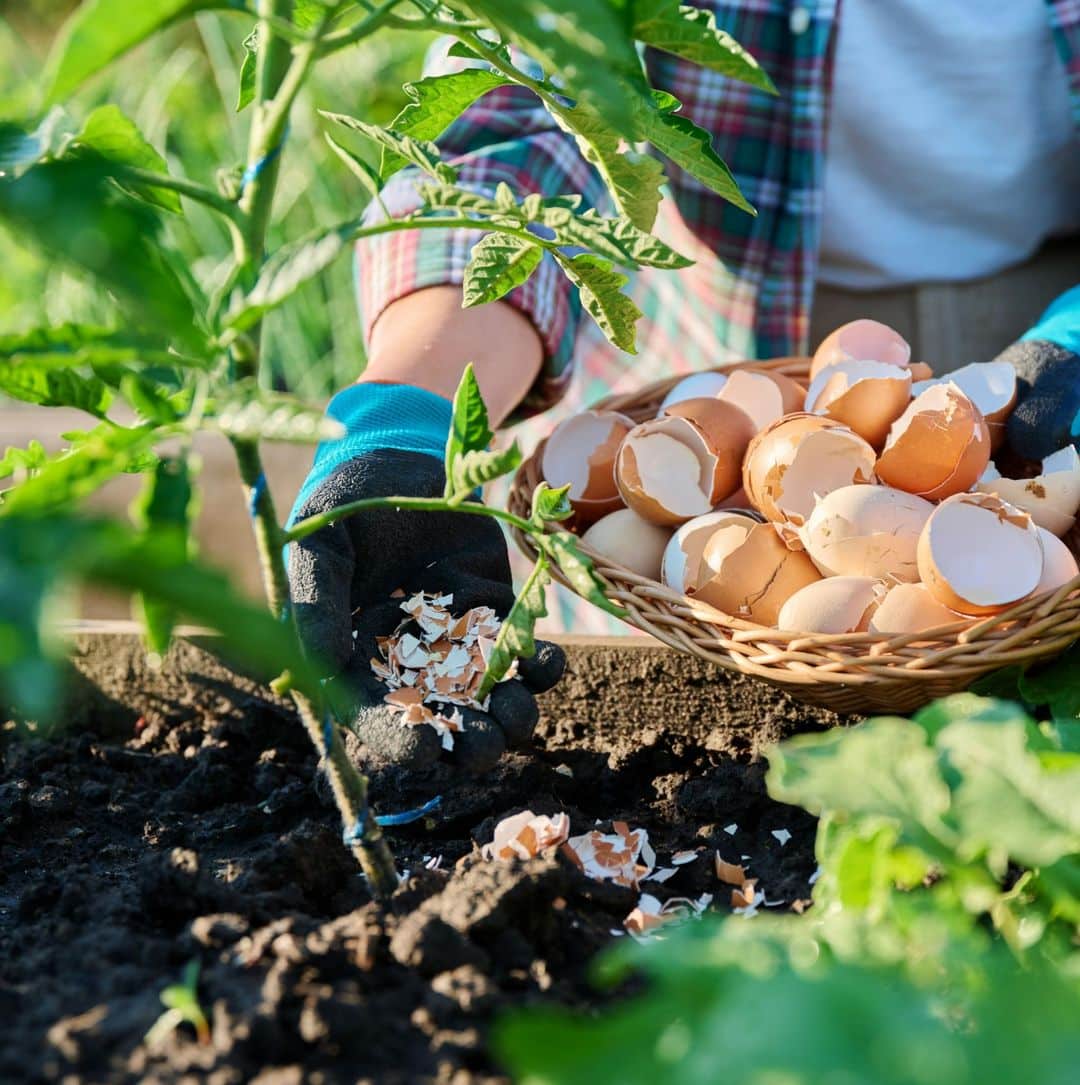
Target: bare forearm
{"x": 426, "y": 339}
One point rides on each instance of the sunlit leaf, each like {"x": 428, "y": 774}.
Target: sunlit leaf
{"x": 470, "y": 430}
{"x": 474, "y": 469}
{"x": 49, "y": 387}
{"x": 515, "y": 638}
{"x": 248, "y": 412}
{"x": 83, "y": 344}
{"x": 29, "y": 459}
{"x": 577, "y": 567}
{"x": 421, "y": 153}
{"x": 245, "y": 94}
{"x": 602, "y": 298}
{"x": 497, "y": 264}
{"x": 550, "y": 505}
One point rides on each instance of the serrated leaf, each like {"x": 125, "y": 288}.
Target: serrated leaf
{"x": 29, "y": 459}
{"x": 449, "y": 198}
{"x": 247, "y": 412}
{"x": 470, "y": 430}
{"x": 550, "y": 506}
{"x": 416, "y": 152}
{"x": 474, "y": 469}
{"x": 577, "y": 567}
{"x": 99, "y": 31}
{"x": 461, "y": 50}
{"x": 497, "y": 264}
{"x": 602, "y": 297}
{"x": 48, "y": 387}
{"x": 64, "y": 345}
{"x": 245, "y": 93}
{"x": 435, "y": 103}
{"x": 114, "y": 136}
{"x": 692, "y": 34}
{"x": 153, "y": 402}
{"x": 367, "y": 174}
{"x": 617, "y": 239}
{"x": 515, "y": 639}
{"x": 689, "y": 147}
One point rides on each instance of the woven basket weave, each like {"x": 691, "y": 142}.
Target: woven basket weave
{"x": 854, "y": 672}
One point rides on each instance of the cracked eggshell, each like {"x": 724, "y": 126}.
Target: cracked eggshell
{"x": 1052, "y": 498}
{"x": 861, "y": 340}
{"x": 979, "y": 555}
{"x": 991, "y": 386}
{"x": 682, "y": 558}
{"x": 582, "y": 451}
{"x": 867, "y": 531}
{"x": 629, "y": 540}
{"x": 799, "y": 458}
{"x": 910, "y": 608}
{"x": 938, "y": 447}
{"x": 866, "y": 396}
{"x": 748, "y": 571}
{"x": 837, "y": 604}
{"x": 696, "y": 386}
{"x": 1059, "y": 563}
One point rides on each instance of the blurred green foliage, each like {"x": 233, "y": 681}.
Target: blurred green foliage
{"x": 180, "y": 88}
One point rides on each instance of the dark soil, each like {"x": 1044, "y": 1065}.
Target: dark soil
{"x": 179, "y": 821}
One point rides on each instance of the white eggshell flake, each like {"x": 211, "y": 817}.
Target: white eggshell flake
{"x": 838, "y": 604}
{"x": 696, "y": 386}
{"x": 867, "y": 531}
{"x": 1052, "y": 498}
{"x": 910, "y": 608}
{"x": 630, "y": 540}
{"x": 991, "y": 386}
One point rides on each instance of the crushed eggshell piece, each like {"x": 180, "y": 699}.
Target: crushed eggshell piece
{"x": 651, "y": 914}
{"x": 782, "y": 836}
{"x": 729, "y": 873}
{"x": 623, "y": 856}
{"x": 524, "y": 835}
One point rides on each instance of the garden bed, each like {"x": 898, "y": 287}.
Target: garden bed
{"x": 177, "y": 820}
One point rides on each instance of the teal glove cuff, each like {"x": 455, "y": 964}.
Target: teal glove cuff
{"x": 1061, "y": 322}
{"x": 378, "y": 416}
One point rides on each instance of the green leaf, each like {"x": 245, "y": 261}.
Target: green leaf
{"x": 550, "y": 506}
{"x": 49, "y": 387}
{"x": 101, "y": 30}
{"x": 361, "y": 170}
{"x": 245, "y": 94}
{"x": 29, "y": 459}
{"x": 470, "y": 430}
{"x": 692, "y": 34}
{"x": 153, "y": 402}
{"x": 19, "y": 150}
{"x": 497, "y": 264}
{"x": 416, "y": 152}
{"x": 114, "y": 137}
{"x": 577, "y": 567}
{"x": 515, "y": 638}
{"x": 602, "y": 297}
{"x": 83, "y": 344}
{"x": 435, "y": 103}
{"x": 616, "y": 239}
{"x": 248, "y": 412}
{"x": 474, "y": 469}
{"x": 165, "y": 508}
{"x": 1056, "y": 684}
{"x": 690, "y": 147}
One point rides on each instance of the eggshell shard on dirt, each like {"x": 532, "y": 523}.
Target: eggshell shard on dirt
{"x": 623, "y": 856}
{"x": 867, "y": 396}
{"x": 1059, "y": 564}
{"x": 910, "y": 608}
{"x": 838, "y": 604}
{"x": 1052, "y": 498}
{"x": 979, "y": 555}
{"x": 800, "y": 458}
{"x": 581, "y": 451}
{"x": 748, "y": 571}
{"x": 525, "y": 835}
{"x": 631, "y": 541}
{"x": 681, "y": 564}
{"x": 696, "y": 386}
{"x": 867, "y": 531}
{"x": 859, "y": 341}
{"x": 938, "y": 447}
{"x": 682, "y": 464}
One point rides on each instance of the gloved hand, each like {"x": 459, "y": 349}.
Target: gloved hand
{"x": 394, "y": 444}
{"x": 1047, "y": 362}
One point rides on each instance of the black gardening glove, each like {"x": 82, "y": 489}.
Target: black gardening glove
{"x": 361, "y": 561}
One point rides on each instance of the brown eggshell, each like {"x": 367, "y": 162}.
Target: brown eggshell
{"x": 727, "y": 430}
{"x": 795, "y": 449}
{"x": 681, "y": 566}
{"x": 837, "y": 604}
{"x": 910, "y": 608}
{"x": 582, "y": 451}
{"x": 978, "y": 555}
{"x": 861, "y": 340}
{"x": 1059, "y": 563}
{"x": 920, "y": 371}
{"x": 938, "y": 447}
{"x": 757, "y": 395}
{"x": 866, "y": 396}
{"x": 661, "y": 471}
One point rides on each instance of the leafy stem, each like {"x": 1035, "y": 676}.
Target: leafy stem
{"x": 193, "y": 190}
{"x": 378, "y": 17}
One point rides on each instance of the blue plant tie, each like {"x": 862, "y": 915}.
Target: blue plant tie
{"x": 328, "y": 732}
{"x": 407, "y": 817}
{"x": 259, "y": 165}
{"x": 258, "y": 488}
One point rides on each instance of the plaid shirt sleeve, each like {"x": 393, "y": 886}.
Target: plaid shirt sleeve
{"x": 506, "y": 135}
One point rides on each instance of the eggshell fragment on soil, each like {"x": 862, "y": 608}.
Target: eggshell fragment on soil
{"x": 524, "y": 835}
{"x": 581, "y": 451}
{"x": 681, "y": 564}
{"x": 867, "y": 531}
{"x": 1052, "y": 498}
{"x": 748, "y": 571}
{"x": 1059, "y": 563}
{"x": 631, "y": 541}
{"x": 979, "y": 555}
{"x": 799, "y": 459}
{"x": 623, "y": 856}
{"x": 866, "y": 396}
{"x": 938, "y": 447}
{"x": 860, "y": 341}
{"x": 682, "y": 464}
{"x": 910, "y": 608}
{"x": 838, "y": 604}
{"x": 696, "y": 386}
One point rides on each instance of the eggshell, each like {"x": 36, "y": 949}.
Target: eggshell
{"x": 696, "y": 386}
{"x": 979, "y": 555}
{"x": 938, "y": 447}
{"x": 867, "y": 531}
{"x": 991, "y": 386}
{"x": 800, "y": 458}
{"x": 838, "y": 604}
{"x": 582, "y": 451}
{"x": 1052, "y": 498}
{"x": 920, "y": 371}
{"x": 866, "y": 396}
{"x": 748, "y": 571}
{"x": 758, "y": 396}
{"x": 630, "y": 540}
{"x": 1059, "y": 564}
{"x": 682, "y": 558}
{"x": 910, "y": 608}
{"x": 861, "y": 340}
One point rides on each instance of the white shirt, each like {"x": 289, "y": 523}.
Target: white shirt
{"x": 951, "y": 152}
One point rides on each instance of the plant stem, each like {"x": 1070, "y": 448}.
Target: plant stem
{"x": 350, "y": 35}
{"x": 181, "y": 185}
{"x": 269, "y": 538}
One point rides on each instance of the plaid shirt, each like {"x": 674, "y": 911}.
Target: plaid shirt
{"x": 748, "y": 293}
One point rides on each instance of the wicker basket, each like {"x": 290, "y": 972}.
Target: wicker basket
{"x": 854, "y": 672}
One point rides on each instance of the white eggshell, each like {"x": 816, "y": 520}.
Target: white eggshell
{"x": 1059, "y": 564}
{"x": 1052, "y": 498}
{"x": 838, "y": 604}
{"x": 910, "y": 608}
{"x": 630, "y": 540}
{"x": 682, "y": 556}
{"x": 696, "y": 386}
